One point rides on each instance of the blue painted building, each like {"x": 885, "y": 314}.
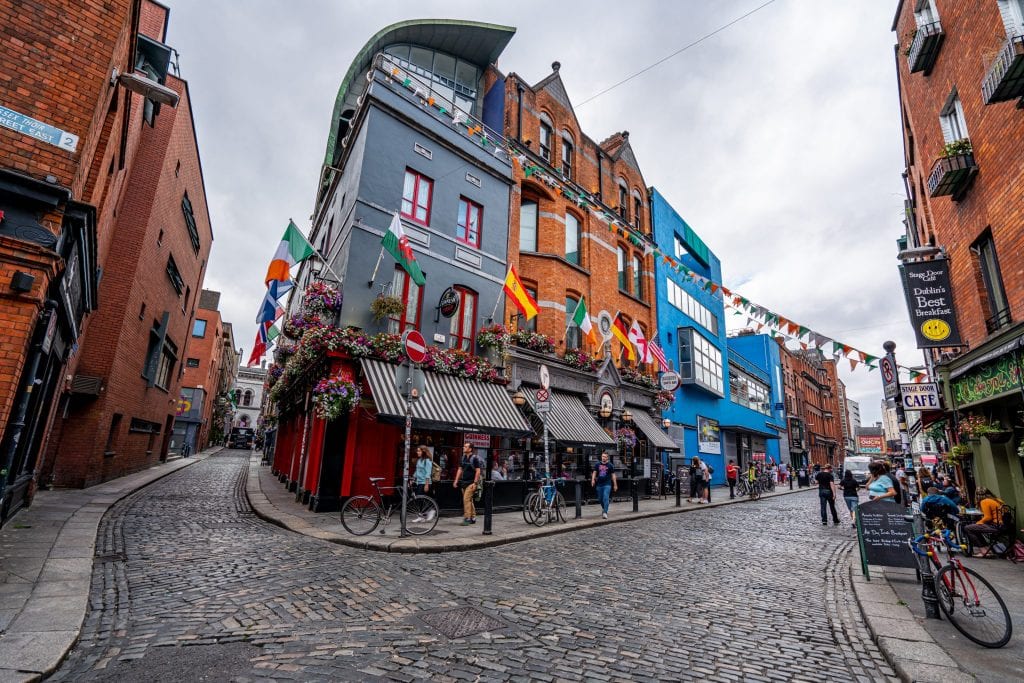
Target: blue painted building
{"x": 726, "y": 404}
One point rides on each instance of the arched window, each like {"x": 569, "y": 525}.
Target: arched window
{"x": 638, "y": 276}
{"x": 528, "y": 225}
{"x": 463, "y": 327}
{"x": 546, "y": 140}
{"x": 621, "y": 265}
{"x": 623, "y": 200}
{"x": 247, "y": 398}
{"x": 572, "y": 238}
{"x": 573, "y": 334}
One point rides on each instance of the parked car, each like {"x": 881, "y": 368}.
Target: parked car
{"x": 241, "y": 437}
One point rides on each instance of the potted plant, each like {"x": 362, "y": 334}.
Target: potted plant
{"x": 625, "y": 437}
{"x": 580, "y": 360}
{"x": 972, "y": 426}
{"x": 958, "y": 453}
{"x": 533, "y": 341}
{"x": 386, "y": 306}
{"x": 995, "y": 432}
{"x": 663, "y": 400}
{"x": 957, "y": 148}
{"x": 494, "y": 339}
{"x": 334, "y": 396}
{"x": 320, "y": 299}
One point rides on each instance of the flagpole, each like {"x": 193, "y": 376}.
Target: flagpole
{"x": 373, "y": 277}
{"x": 495, "y": 309}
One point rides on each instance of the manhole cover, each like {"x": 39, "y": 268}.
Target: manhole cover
{"x": 461, "y": 622}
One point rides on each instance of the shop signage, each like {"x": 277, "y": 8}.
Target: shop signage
{"x": 930, "y": 302}
{"x": 43, "y": 132}
{"x": 989, "y": 381}
{"x": 604, "y": 324}
{"x": 890, "y": 377}
{"x": 924, "y": 396}
{"x": 758, "y": 456}
{"x": 709, "y": 438}
{"x": 477, "y": 440}
{"x": 869, "y": 443}
{"x": 883, "y": 534}
{"x": 448, "y": 304}
{"x": 669, "y": 381}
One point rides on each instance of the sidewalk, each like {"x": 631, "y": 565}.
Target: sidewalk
{"x": 922, "y": 649}
{"x": 46, "y": 562}
{"x": 272, "y": 501}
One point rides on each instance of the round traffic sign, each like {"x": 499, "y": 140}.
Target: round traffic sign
{"x": 414, "y": 345}
{"x": 543, "y": 395}
{"x": 545, "y": 377}
{"x": 887, "y": 370}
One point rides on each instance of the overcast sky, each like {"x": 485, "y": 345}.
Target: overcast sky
{"x": 777, "y": 139}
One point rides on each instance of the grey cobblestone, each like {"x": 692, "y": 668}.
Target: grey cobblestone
{"x": 185, "y": 567}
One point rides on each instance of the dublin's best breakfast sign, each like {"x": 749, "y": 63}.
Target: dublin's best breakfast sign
{"x": 930, "y": 302}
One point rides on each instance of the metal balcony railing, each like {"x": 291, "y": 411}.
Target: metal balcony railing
{"x": 999, "y": 320}
{"x": 924, "y": 50}
{"x": 950, "y": 175}
{"x": 1005, "y": 78}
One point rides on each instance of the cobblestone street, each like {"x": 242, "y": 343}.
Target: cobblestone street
{"x": 189, "y": 585}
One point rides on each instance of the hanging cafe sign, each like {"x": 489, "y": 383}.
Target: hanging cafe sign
{"x": 930, "y": 302}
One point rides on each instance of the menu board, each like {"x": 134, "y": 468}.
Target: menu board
{"x": 683, "y": 476}
{"x": 656, "y": 479}
{"x": 883, "y": 533}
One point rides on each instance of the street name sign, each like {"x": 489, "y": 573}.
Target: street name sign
{"x": 44, "y": 132}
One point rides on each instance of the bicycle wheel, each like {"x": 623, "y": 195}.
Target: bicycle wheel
{"x": 360, "y": 515}
{"x": 559, "y": 507}
{"x": 973, "y": 606}
{"x": 530, "y": 508}
{"x": 421, "y": 515}
{"x": 964, "y": 538}
{"x": 755, "y": 491}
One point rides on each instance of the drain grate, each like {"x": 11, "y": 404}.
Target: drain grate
{"x": 460, "y": 622}
{"x": 111, "y": 557}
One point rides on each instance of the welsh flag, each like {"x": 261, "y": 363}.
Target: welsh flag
{"x": 397, "y": 244}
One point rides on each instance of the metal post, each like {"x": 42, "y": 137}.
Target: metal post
{"x": 408, "y": 439}
{"x": 928, "y": 595}
{"x": 636, "y": 489}
{"x": 679, "y": 492}
{"x": 579, "y": 496}
{"x": 547, "y": 461}
{"x": 488, "y": 504}
{"x": 901, "y": 415}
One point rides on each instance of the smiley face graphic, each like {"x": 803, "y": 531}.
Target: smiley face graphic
{"x": 935, "y": 329}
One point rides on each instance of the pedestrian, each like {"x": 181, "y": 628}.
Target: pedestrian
{"x": 937, "y": 506}
{"x": 850, "y": 495}
{"x": 732, "y": 474}
{"x": 924, "y": 480}
{"x": 703, "y": 481}
{"x": 751, "y": 475}
{"x": 468, "y": 478}
{"x": 695, "y": 483}
{"x": 880, "y": 484}
{"x": 602, "y": 479}
{"x": 827, "y": 494}
{"x": 991, "y": 520}
{"x": 424, "y": 474}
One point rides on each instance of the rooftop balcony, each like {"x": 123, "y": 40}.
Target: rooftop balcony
{"x": 1005, "y": 78}
{"x": 953, "y": 173}
{"x": 924, "y": 49}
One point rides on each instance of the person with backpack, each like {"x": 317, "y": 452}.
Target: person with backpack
{"x": 732, "y": 475}
{"x": 850, "y": 495}
{"x": 468, "y": 479}
{"x": 827, "y": 494}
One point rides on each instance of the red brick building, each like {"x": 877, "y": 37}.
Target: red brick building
{"x": 813, "y": 407}
{"x": 72, "y": 120}
{"x": 959, "y": 67}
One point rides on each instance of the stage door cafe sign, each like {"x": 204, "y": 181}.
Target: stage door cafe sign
{"x": 930, "y": 302}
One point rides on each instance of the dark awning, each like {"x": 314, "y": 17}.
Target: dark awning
{"x": 448, "y": 403}
{"x": 654, "y": 434}
{"x": 570, "y": 422}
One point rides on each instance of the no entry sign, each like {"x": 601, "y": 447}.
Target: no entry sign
{"x": 414, "y": 345}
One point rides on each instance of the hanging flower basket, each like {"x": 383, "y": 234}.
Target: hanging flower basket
{"x": 321, "y": 299}
{"x": 625, "y": 437}
{"x": 334, "y": 397}
{"x": 663, "y": 400}
{"x": 580, "y": 360}
{"x": 494, "y": 338}
{"x": 998, "y": 435}
{"x": 386, "y": 306}
{"x": 637, "y": 377}
{"x": 298, "y": 324}
{"x": 533, "y": 341}
{"x": 973, "y": 426}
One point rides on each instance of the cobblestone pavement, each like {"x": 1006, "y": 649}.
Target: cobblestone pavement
{"x": 189, "y": 585}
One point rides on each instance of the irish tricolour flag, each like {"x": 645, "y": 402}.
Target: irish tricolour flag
{"x": 582, "y": 319}
{"x": 397, "y": 244}
{"x": 293, "y": 249}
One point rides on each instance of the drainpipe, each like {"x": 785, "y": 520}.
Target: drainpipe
{"x": 519, "y": 115}
{"x": 600, "y": 177}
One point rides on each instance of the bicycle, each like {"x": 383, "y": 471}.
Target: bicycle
{"x": 362, "y": 514}
{"x": 544, "y": 505}
{"x": 745, "y": 487}
{"x": 969, "y": 602}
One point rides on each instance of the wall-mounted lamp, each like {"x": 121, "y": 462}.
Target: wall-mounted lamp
{"x": 519, "y": 398}
{"x": 22, "y": 281}
{"x": 148, "y": 88}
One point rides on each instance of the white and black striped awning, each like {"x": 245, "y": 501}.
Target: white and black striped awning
{"x": 569, "y": 420}
{"x": 448, "y": 403}
{"x": 654, "y": 434}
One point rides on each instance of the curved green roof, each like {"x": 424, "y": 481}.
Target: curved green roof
{"x": 473, "y": 41}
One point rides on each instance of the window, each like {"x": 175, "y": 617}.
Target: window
{"x": 954, "y": 125}
{"x": 448, "y": 78}
{"x": 160, "y": 238}
{"x": 192, "y": 363}
{"x": 700, "y": 314}
{"x": 528, "y": 225}
{"x": 573, "y": 334}
{"x": 470, "y": 220}
{"x": 409, "y": 292}
{"x": 160, "y": 359}
{"x": 748, "y": 391}
{"x": 199, "y": 328}
{"x": 621, "y": 265}
{"x": 463, "y": 328}
{"x": 247, "y": 398}
{"x": 115, "y": 428}
{"x": 190, "y": 222}
{"x": 638, "y": 211}
{"x": 926, "y": 13}
{"x": 623, "y": 202}
{"x": 545, "y": 141}
{"x": 638, "y": 277}
{"x": 174, "y": 276}
{"x": 567, "y": 158}
{"x": 531, "y": 324}
{"x": 700, "y": 362}
{"x": 1012, "y": 13}
{"x": 988, "y": 264}
{"x": 188, "y": 295}
{"x": 679, "y": 247}
{"x": 572, "y": 239}
{"x": 416, "y": 197}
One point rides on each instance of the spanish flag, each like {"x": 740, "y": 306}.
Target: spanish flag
{"x": 520, "y": 297}
{"x": 621, "y": 332}
{"x": 294, "y": 247}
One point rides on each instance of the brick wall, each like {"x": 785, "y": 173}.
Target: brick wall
{"x": 812, "y": 390}
{"x": 209, "y": 350}
{"x": 547, "y": 270}
{"x": 974, "y": 33}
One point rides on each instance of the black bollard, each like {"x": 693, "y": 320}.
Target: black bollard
{"x": 679, "y": 493}
{"x": 928, "y": 595}
{"x": 636, "y": 496}
{"x": 488, "y": 506}
{"x": 579, "y": 499}
{"x": 790, "y": 474}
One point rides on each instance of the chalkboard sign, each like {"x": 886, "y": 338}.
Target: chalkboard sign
{"x": 683, "y": 476}
{"x": 656, "y": 480}
{"x": 883, "y": 534}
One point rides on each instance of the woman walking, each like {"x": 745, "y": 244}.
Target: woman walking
{"x": 850, "y": 497}
{"x": 880, "y": 485}
{"x": 424, "y": 471}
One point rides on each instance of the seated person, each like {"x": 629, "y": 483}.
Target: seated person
{"x": 991, "y": 518}
{"x": 949, "y": 490}
{"x": 937, "y": 505}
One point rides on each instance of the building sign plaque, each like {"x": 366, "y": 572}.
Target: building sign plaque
{"x": 923, "y": 396}
{"x": 930, "y": 302}
{"x": 448, "y": 303}
{"x": 989, "y": 381}
{"x": 43, "y": 132}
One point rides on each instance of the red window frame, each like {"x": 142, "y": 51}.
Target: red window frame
{"x": 463, "y": 234}
{"x": 460, "y": 336}
{"x": 414, "y": 201}
{"x": 402, "y": 322}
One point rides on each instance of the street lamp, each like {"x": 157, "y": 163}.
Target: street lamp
{"x": 666, "y": 423}
{"x": 605, "y": 412}
{"x": 627, "y": 416}
{"x": 519, "y": 398}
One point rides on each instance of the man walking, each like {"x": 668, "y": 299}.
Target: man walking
{"x": 732, "y": 475}
{"x": 468, "y": 478}
{"x": 604, "y": 482}
{"x": 827, "y": 494}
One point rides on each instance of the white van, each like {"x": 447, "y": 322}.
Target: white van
{"x": 858, "y": 464}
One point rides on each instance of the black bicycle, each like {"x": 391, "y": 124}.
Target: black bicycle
{"x": 362, "y": 514}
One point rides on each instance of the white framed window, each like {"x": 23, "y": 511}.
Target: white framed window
{"x": 1012, "y": 13}
{"x": 925, "y": 12}
{"x": 951, "y": 118}
{"x": 572, "y": 238}
{"x": 528, "y": 225}
{"x": 700, "y": 314}
{"x": 700, "y": 361}
{"x": 679, "y": 248}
